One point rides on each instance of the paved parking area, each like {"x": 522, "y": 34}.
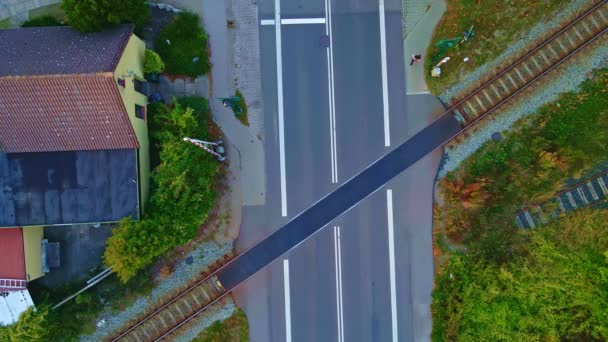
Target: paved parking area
{"x": 81, "y": 251}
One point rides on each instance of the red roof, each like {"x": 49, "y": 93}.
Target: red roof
{"x": 12, "y": 257}
{"x": 63, "y": 113}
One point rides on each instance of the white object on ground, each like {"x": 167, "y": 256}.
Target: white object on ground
{"x": 14, "y": 304}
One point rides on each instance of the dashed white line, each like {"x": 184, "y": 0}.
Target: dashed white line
{"x": 277, "y": 31}
{"x": 387, "y": 129}
{"x": 339, "y": 283}
{"x": 332, "y": 103}
{"x": 287, "y": 300}
{"x": 294, "y": 21}
{"x": 391, "y": 263}
{"x": 303, "y": 21}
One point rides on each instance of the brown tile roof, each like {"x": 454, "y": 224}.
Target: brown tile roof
{"x": 63, "y": 113}
{"x": 60, "y": 50}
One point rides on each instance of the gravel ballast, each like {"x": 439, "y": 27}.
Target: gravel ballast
{"x": 203, "y": 255}
{"x": 566, "y": 78}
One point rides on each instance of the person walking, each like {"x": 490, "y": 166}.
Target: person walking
{"x": 415, "y": 58}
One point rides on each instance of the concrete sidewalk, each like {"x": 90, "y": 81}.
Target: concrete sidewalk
{"x": 246, "y": 141}
{"x": 420, "y": 18}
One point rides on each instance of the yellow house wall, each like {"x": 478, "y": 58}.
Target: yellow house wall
{"x": 132, "y": 60}
{"x": 32, "y": 246}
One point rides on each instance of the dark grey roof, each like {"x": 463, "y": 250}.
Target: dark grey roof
{"x": 59, "y": 50}
{"x": 46, "y": 188}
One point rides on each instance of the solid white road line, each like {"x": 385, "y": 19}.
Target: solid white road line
{"x": 332, "y": 103}
{"x": 387, "y": 129}
{"x": 277, "y": 32}
{"x": 287, "y": 300}
{"x": 339, "y": 283}
{"x": 391, "y": 263}
{"x": 267, "y": 22}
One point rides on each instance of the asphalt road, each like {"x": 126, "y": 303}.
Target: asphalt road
{"x": 360, "y": 140}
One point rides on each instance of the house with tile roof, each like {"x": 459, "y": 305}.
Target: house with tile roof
{"x": 73, "y": 135}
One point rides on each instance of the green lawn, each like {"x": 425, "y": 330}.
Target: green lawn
{"x": 497, "y": 24}
{"x": 5, "y": 24}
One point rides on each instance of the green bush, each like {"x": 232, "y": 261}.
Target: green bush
{"x": 153, "y": 64}
{"x": 33, "y": 325}
{"x": 183, "y": 190}
{"x": 95, "y": 15}
{"x": 187, "y": 42}
{"x": 43, "y": 20}
{"x": 559, "y": 291}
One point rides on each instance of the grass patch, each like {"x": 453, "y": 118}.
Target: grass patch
{"x": 52, "y": 10}
{"x": 188, "y": 41}
{"x": 233, "y": 329}
{"x": 518, "y": 285}
{"x": 497, "y": 25}
{"x": 242, "y": 105}
{"x": 5, "y": 24}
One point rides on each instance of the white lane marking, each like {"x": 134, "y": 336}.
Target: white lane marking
{"x": 387, "y": 128}
{"x": 391, "y": 263}
{"x": 332, "y": 103}
{"x": 277, "y": 32}
{"x": 417, "y": 92}
{"x": 287, "y": 300}
{"x": 294, "y": 21}
{"x": 339, "y": 283}
{"x": 303, "y": 21}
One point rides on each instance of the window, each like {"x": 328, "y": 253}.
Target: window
{"x": 121, "y": 82}
{"x": 140, "y": 112}
{"x": 139, "y": 86}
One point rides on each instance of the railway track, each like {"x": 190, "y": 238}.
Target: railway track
{"x": 536, "y": 63}
{"x": 176, "y": 312}
{"x": 468, "y": 110}
{"x": 585, "y": 193}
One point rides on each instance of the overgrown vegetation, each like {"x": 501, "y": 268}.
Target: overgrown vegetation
{"x": 558, "y": 291}
{"x": 32, "y": 326}
{"x": 182, "y": 44}
{"x": 182, "y": 194}
{"x": 78, "y": 316}
{"x": 95, "y": 15}
{"x": 153, "y": 64}
{"x": 495, "y": 30}
{"x": 242, "y": 108}
{"x": 43, "y": 20}
{"x": 232, "y": 329}
{"x": 517, "y": 285}
{"x": 562, "y": 140}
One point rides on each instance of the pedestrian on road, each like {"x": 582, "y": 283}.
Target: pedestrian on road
{"x": 415, "y": 58}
